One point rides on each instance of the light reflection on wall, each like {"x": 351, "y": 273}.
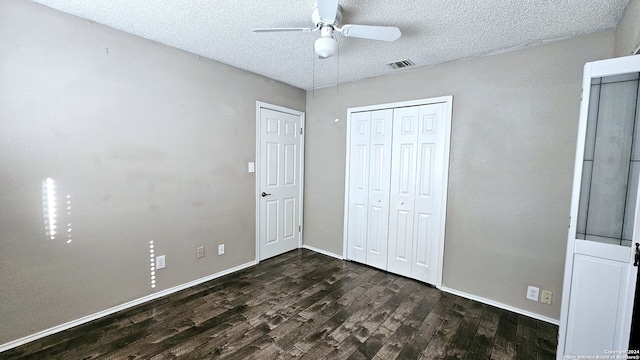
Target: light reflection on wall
{"x": 50, "y": 210}
{"x": 153, "y": 264}
{"x": 49, "y": 207}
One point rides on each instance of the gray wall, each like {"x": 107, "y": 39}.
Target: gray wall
{"x": 151, "y": 143}
{"x": 628, "y": 30}
{"x": 513, "y": 139}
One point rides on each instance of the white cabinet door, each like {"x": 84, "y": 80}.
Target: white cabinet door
{"x": 379, "y": 176}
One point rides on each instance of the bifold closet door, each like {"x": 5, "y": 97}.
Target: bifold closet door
{"x": 369, "y": 171}
{"x": 417, "y": 190}
{"x": 358, "y": 186}
{"x": 379, "y": 178}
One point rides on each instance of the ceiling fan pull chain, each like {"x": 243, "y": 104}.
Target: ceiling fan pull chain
{"x": 338, "y": 69}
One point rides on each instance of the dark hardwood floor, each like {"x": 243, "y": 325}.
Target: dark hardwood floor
{"x": 304, "y": 305}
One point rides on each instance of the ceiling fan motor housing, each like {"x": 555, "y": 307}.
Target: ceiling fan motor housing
{"x": 318, "y": 21}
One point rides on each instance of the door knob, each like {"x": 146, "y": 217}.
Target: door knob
{"x": 401, "y": 202}
{"x": 265, "y": 194}
{"x": 378, "y": 200}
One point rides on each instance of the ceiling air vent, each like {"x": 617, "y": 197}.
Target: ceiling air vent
{"x": 401, "y": 64}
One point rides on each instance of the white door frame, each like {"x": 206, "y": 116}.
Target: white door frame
{"x": 263, "y": 105}
{"x": 592, "y": 70}
{"x": 448, "y": 100}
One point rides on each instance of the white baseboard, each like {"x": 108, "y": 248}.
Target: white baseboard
{"x": 500, "y": 305}
{"x": 323, "y": 252}
{"x": 127, "y": 305}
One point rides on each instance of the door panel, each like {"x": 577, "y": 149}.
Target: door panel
{"x": 430, "y": 192}
{"x": 599, "y": 276}
{"x": 595, "y": 279}
{"x": 290, "y": 215}
{"x": 397, "y": 172}
{"x": 403, "y": 185}
{"x": 379, "y": 177}
{"x": 358, "y": 206}
{"x": 279, "y": 181}
{"x": 272, "y": 215}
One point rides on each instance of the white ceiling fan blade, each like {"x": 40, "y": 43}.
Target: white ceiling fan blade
{"x": 282, "y": 29}
{"x": 384, "y": 33}
{"x": 327, "y": 10}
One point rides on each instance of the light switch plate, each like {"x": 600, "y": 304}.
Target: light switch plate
{"x": 160, "y": 262}
{"x": 252, "y": 167}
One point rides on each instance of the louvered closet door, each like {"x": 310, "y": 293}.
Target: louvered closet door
{"x": 379, "y": 177}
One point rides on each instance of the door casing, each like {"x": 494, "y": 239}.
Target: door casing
{"x": 264, "y": 105}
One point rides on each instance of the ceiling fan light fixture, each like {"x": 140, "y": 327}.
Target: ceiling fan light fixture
{"x": 325, "y": 47}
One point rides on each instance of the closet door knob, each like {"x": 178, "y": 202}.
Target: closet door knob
{"x": 401, "y": 202}
{"x": 378, "y": 200}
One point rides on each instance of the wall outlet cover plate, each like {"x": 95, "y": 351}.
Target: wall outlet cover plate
{"x": 532, "y": 293}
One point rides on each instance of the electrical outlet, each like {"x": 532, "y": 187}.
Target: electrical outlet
{"x": 200, "y": 252}
{"x": 160, "y": 262}
{"x": 221, "y": 249}
{"x": 532, "y": 293}
{"x": 546, "y": 296}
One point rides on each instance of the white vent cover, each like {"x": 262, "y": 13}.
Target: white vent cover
{"x": 400, "y": 64}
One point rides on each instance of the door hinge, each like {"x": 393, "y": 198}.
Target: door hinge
{"x": 300, "y": 131}
{"x": 299, "y": 228}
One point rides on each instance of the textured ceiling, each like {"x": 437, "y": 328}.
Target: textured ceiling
{"x": 433, "y": 31}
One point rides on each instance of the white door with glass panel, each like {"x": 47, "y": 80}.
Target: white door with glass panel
{"x": 600, "y": 276}
{"x": 279, "y": 172}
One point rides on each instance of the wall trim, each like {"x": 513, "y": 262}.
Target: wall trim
{"x": 500, "y": 305}
{"x": 323, "y": 252}
{"x": 127, "y": 305}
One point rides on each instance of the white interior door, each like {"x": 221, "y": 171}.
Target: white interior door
{"x": 279, "y": 187}
{"x": 358, "y": 190}
{"x": 379, "y": 177}
{"x": 428, "y": 227}
{"x": 396, "y": 186}
{"x": 600, "y": 278}
{"x": 418, "y": 191}
{"x": 403, "y": 187}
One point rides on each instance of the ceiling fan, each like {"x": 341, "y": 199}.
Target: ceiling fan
{"x": 327, "y": 17}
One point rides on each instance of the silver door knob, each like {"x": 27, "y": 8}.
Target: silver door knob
{"x": 378, "y": 200}
{"x": 401, "y": 202}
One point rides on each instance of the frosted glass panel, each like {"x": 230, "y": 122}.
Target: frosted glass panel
{"x": 610, "y": 170}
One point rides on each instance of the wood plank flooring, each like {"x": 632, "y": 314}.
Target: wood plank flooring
{"x": 309, "y": 306}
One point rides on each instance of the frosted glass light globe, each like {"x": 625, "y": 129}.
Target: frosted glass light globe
{"x": 326, "y": 47}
